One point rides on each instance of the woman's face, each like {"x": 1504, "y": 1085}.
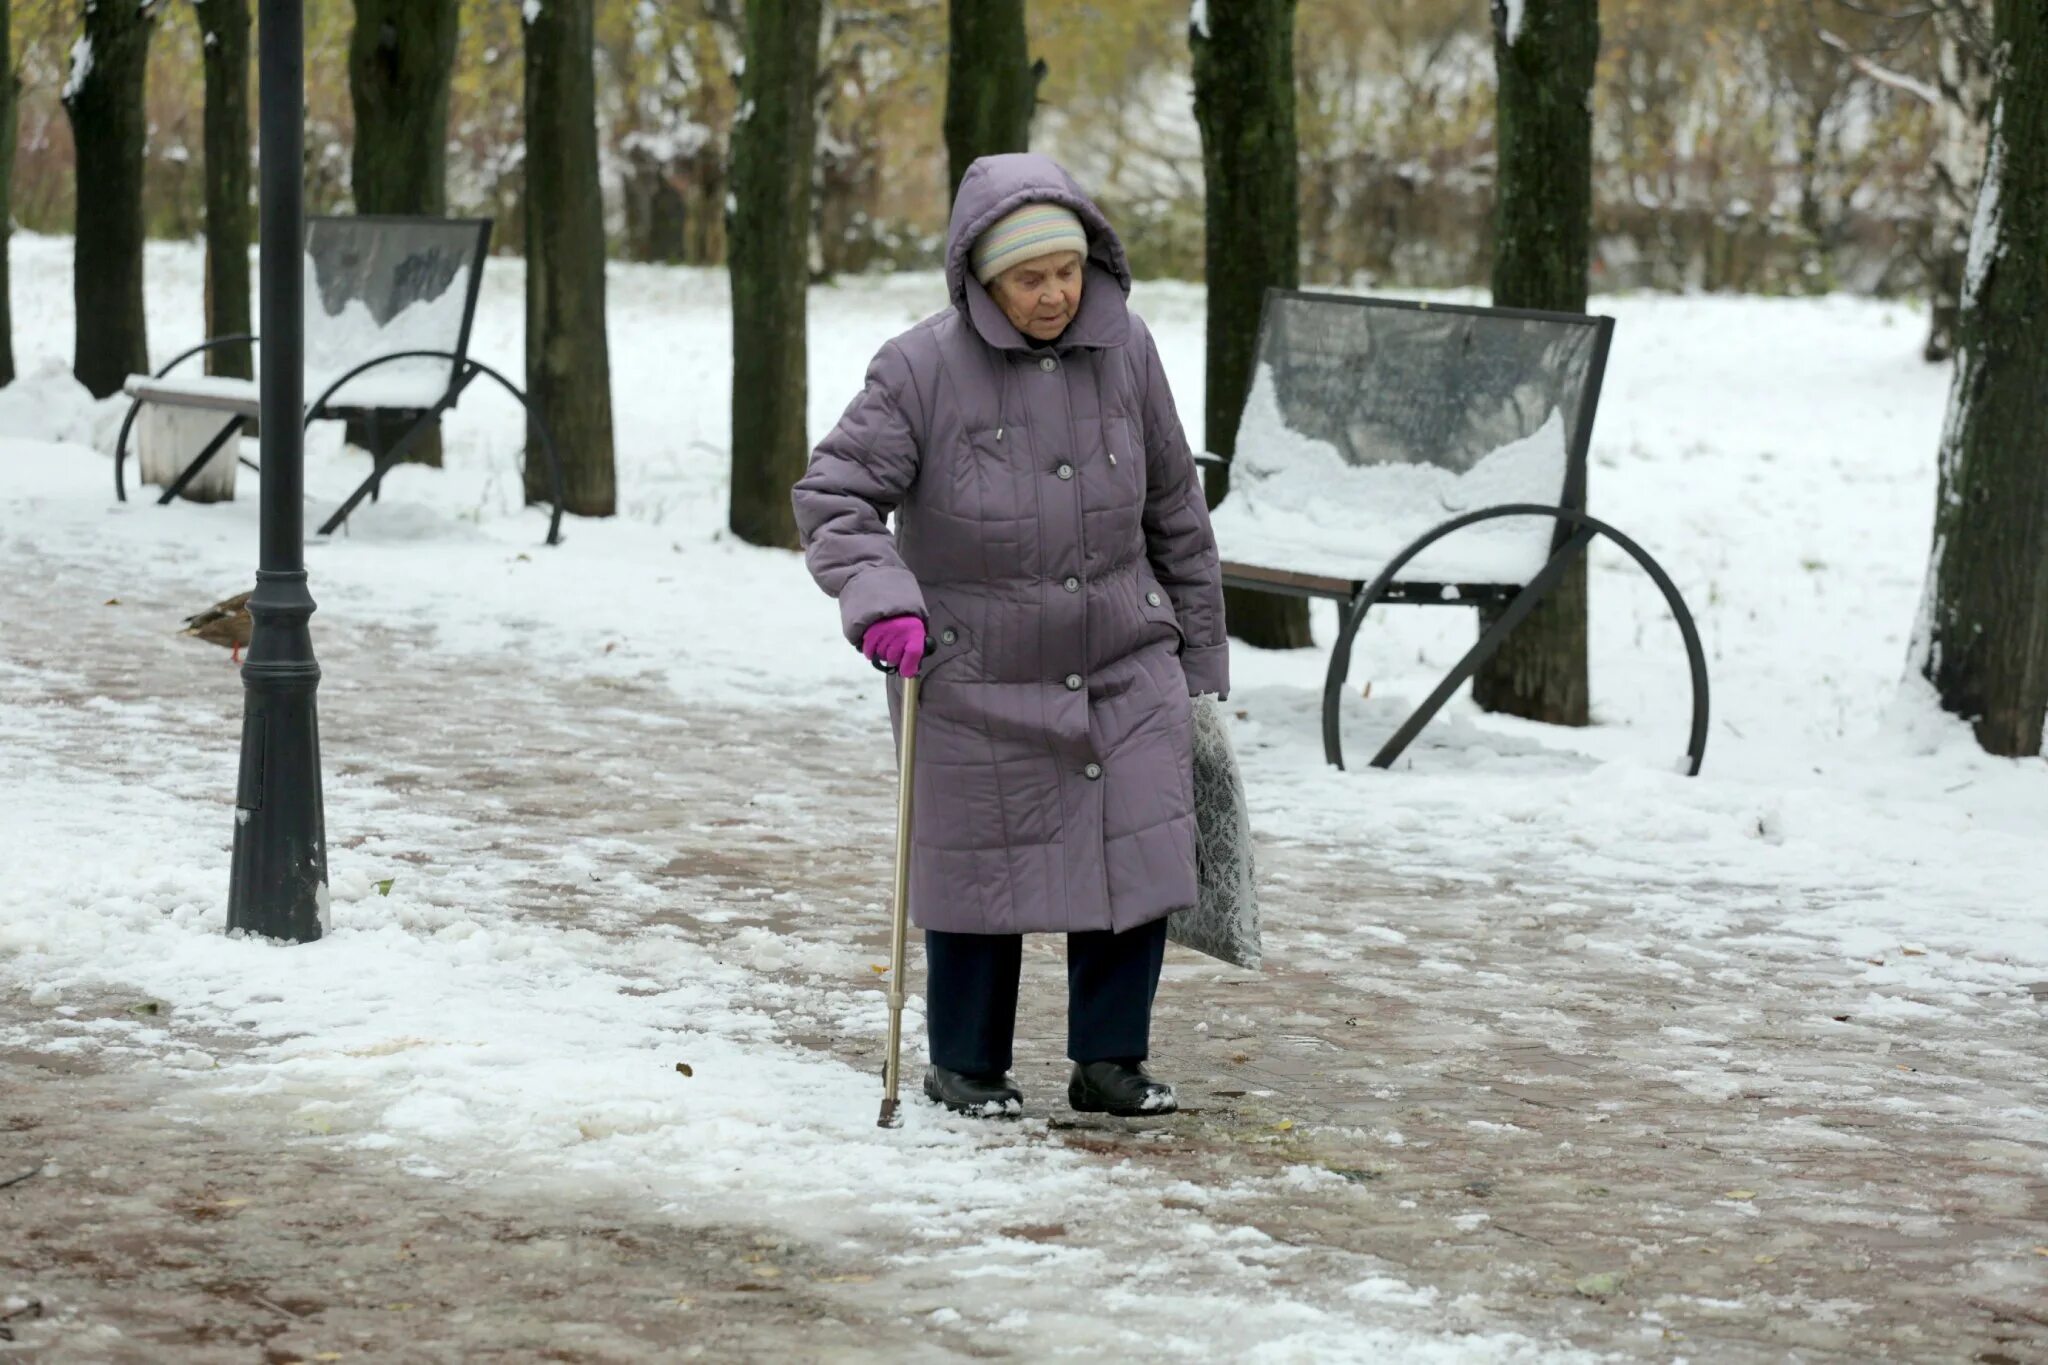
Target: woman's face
{"x": 1041, "y": 296}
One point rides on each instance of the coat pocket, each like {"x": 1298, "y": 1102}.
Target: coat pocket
{"x": 948, "y": 641}
{"x": 1157, "y": 610}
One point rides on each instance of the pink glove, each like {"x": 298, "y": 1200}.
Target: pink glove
{"x": 897, "y": 641}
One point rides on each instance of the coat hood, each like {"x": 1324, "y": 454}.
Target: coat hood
{"x": 996, "y": 185}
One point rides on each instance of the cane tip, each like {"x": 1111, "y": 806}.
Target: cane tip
{"x": 888, "y": 1118}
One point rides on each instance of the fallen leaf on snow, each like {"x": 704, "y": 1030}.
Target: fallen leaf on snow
{"x": 1603, "y": 1285}
{"x": 1037, "y": 1232}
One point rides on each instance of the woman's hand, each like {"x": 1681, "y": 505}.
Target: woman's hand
{"x": 897, "y": 642}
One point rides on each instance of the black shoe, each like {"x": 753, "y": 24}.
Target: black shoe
{"x": 1120, "y": 1088}
{"x": 985, "y": 1097}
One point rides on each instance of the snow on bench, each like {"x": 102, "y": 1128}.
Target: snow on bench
{"x": 1298, "y": 505}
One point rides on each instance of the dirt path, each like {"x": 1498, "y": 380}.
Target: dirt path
{"x": 1678, "y": 1155}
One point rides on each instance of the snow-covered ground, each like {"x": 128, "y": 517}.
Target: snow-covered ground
{"x": 1776, "y": 455}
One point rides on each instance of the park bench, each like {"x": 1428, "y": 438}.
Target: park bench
{"x": 1424, "y": 454}
{"x": 389, "y": 305}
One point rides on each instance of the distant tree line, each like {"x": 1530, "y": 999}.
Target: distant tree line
{"x": 1779, "y": 145}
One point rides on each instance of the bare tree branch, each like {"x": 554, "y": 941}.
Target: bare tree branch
{"x": 1883, "y": 75}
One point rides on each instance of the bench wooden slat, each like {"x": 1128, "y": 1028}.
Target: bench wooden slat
{"x": 1407, "y": 593}
{"x": 1286, "y": 581}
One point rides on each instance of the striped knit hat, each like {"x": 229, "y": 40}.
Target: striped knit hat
{"x": 1024, "y": 235}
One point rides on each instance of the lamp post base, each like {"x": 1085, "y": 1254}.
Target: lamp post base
{"x": 277, "y": 885}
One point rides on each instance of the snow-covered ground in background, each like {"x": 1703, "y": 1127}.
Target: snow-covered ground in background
{"x": 1776, "y": 455}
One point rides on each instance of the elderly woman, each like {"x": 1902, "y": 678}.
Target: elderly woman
{"x": 1052, "y": 551}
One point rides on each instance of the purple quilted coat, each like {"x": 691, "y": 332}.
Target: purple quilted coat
{"x": 1051, "y": 530}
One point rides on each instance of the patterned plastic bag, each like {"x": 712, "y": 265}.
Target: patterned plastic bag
{"x": 1224, "y": 922}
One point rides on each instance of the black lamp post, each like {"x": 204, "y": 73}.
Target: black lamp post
{"x": 278, "y": 884}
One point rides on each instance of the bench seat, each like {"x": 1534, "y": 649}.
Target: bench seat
{"x": 211, "y": 392}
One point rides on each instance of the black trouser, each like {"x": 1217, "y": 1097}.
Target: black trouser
{"x": 971, "y": 996}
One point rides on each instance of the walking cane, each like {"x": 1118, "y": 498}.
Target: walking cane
{"x": 900, "y": 928}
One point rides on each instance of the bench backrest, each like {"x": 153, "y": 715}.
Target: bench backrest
{"x": 379, "y": 285}
{"x": 1371, "y": 421}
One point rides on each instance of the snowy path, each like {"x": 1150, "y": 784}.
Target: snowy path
{"x": 1444, "y": 1123}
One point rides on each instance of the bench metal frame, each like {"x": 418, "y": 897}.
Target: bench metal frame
{"x": 1576, "y": 531}
{"x": 464, "y": 371}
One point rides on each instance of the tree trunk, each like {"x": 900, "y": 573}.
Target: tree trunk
{"x": 224, "y": 25}
{"x": 1543, "y": 214}
{"x": 10, "y": 87}
{"x": 657, "y": 215}
{"x": 104, "y": 98}
{"x": 568, "y": 367}
{"x": 769, "y": 263}
{"x": 1962, "y": 35}
{"x": 401, "y": 61}
{"x": 991, "y": 91}
{"x": 1244, "y": 104}
{"x": 1983, "y": 640}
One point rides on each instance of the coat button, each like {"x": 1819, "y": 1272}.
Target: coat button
{"x": 1112, "y": 459}
{"x": 1072, "y": 584}
{"x": 948, "y": 636}
{"x": 1151, "y": 599}
{"x": 1093, "y": 771}
{"x": 1065, "y": 471}
{"x": 1073, "y": 682}
{"x": 1048, "y": 364}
